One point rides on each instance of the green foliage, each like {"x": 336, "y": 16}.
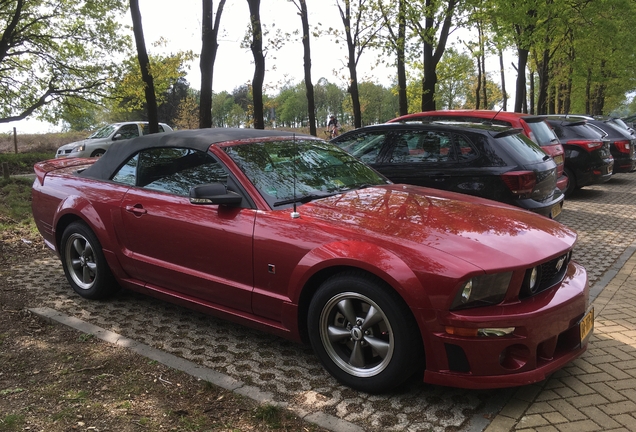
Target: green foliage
{"x": 22, "y": 163}
{"x": 57, "y": 49}
{"x": 166, "y": 71}
{"x": 456, "y": 73}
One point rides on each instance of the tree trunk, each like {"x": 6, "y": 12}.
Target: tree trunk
{"x": 259, "y": 63}
{"x": 588, "y": 91}
{"x": 484, "y": 77}
{"x": 431, "y": 59}
{"x": 525, "y": 99}
{"x": 544, "y": 82}
{"x": 478, "y": 89}
{"x": 352, "y": 89}
{"x": 520, "y": 90}
{"x": 144, "y": 64}
{"x": 503, "y": 80}
{"x": 209, "y": 48}
{"x": 403, "y": 105}
{"x": 311, "y": 103}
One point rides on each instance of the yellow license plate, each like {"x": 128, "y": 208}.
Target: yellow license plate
{"x": 586, "y": 325}
{"x": 556, "y": 210}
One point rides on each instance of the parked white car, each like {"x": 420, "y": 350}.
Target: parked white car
{"x": 96, "y": 144}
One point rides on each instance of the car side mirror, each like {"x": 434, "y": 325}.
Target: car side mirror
{"x": 214, "y": 193}
{"x": 117, "y": 137}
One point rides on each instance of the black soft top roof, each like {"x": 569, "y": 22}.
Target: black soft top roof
{"x": 197, "y": 139}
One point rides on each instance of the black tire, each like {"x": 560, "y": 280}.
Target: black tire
{"x": 376, "y": 353}
{"x": 572, "y": 186}
{"x": 84, "y": 263}
{"x": 98, "y": 153}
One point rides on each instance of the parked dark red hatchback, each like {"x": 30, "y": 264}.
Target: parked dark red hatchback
{"x": 294, "y": 236}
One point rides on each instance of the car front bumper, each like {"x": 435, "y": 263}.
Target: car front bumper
{"x": 547, "y": 335}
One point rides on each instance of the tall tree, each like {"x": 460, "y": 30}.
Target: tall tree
{"x": 394, "y": 18}
{"x": 256, "y": 46}
{"x": 360, "y": 30}
{"x": 438, "y": 19}
{"x": 51, "y": 50}
{"x": 209, "y": 48}
{"x": 144, "y": 65}
{"x": 301, "y": 5}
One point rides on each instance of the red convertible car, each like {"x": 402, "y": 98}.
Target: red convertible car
{"x": 291, "y": 235}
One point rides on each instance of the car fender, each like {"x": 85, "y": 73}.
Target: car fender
{"x": 368, "y": 257}
{"x": 83, "y": 209}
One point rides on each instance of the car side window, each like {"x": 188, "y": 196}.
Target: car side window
{"x": 465, "y": 149}
{"x": 364, "y": 146}
{"x": 171, "y": 170}
{"x": 128, "y": 131}
{"x": 145, "y": 129}
{"x": 421, "y": 147}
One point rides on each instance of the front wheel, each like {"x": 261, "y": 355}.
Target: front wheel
{"x": 363, "y": 333}
{"x": 84, "y": 263}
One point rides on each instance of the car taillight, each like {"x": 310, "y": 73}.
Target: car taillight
{"x": 520, "y": 182}
{"x": 622, "y": 146}
{"x": 588, "y": 145}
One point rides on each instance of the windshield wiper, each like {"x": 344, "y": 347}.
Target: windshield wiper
{"x": 304, "y": 199}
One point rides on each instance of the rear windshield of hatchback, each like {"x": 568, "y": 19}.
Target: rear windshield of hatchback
{"x": 543, "y": 134}
{"x": 521, "y": 149}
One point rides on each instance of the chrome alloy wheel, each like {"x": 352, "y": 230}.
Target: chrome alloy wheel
{"x": 80, "y": 260}
{"x": 356, "y": 334}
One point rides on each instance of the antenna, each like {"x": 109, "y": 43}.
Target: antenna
{"x": 496, "y": 114}
{"x": 295, "y": 214}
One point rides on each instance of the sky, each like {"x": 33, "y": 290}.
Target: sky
{"x": 180, "y": 27}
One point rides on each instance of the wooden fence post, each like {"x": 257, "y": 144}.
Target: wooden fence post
{"x": 15, "y": 140}
{"x": 5, "y": 170}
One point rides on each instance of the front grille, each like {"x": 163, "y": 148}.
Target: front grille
{"x": 550, "y": 273}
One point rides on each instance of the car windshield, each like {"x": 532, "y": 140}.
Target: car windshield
{"x": 299, "y": 171}
{"x": 104, "y": 132}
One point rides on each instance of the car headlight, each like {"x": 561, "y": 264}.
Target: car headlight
{"x": 482, "y": 290}
{"x": 79, "y": 148}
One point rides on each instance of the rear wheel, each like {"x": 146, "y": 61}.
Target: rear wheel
{"x": 572, "y": 186}
{"x": 363, "y": 333}
{"x": 84, "y": 263}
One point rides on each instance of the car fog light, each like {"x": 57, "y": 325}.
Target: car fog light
{"x": 471, "y": 332}
{"x": 495, "y": 331}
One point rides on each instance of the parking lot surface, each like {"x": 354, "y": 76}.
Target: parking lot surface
{"x": 602, "y": 215}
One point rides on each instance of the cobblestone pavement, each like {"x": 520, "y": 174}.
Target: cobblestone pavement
{"x": 602, "y": 215}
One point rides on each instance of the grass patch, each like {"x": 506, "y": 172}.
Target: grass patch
{"x": 11, "y": 422}
{"x": 269, "y": 414}
{"x": 15, "y": 200}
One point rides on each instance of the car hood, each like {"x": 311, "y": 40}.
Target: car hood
{"x": 484, "y": 233}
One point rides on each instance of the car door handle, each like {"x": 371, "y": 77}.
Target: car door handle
{"x": 137, "y": 209}
{"x": 439, "y": 176}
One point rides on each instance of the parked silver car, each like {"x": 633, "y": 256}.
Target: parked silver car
{"x": 96, "y": 144}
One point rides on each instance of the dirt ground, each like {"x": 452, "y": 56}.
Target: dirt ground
{"x": 53, "y": 378}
